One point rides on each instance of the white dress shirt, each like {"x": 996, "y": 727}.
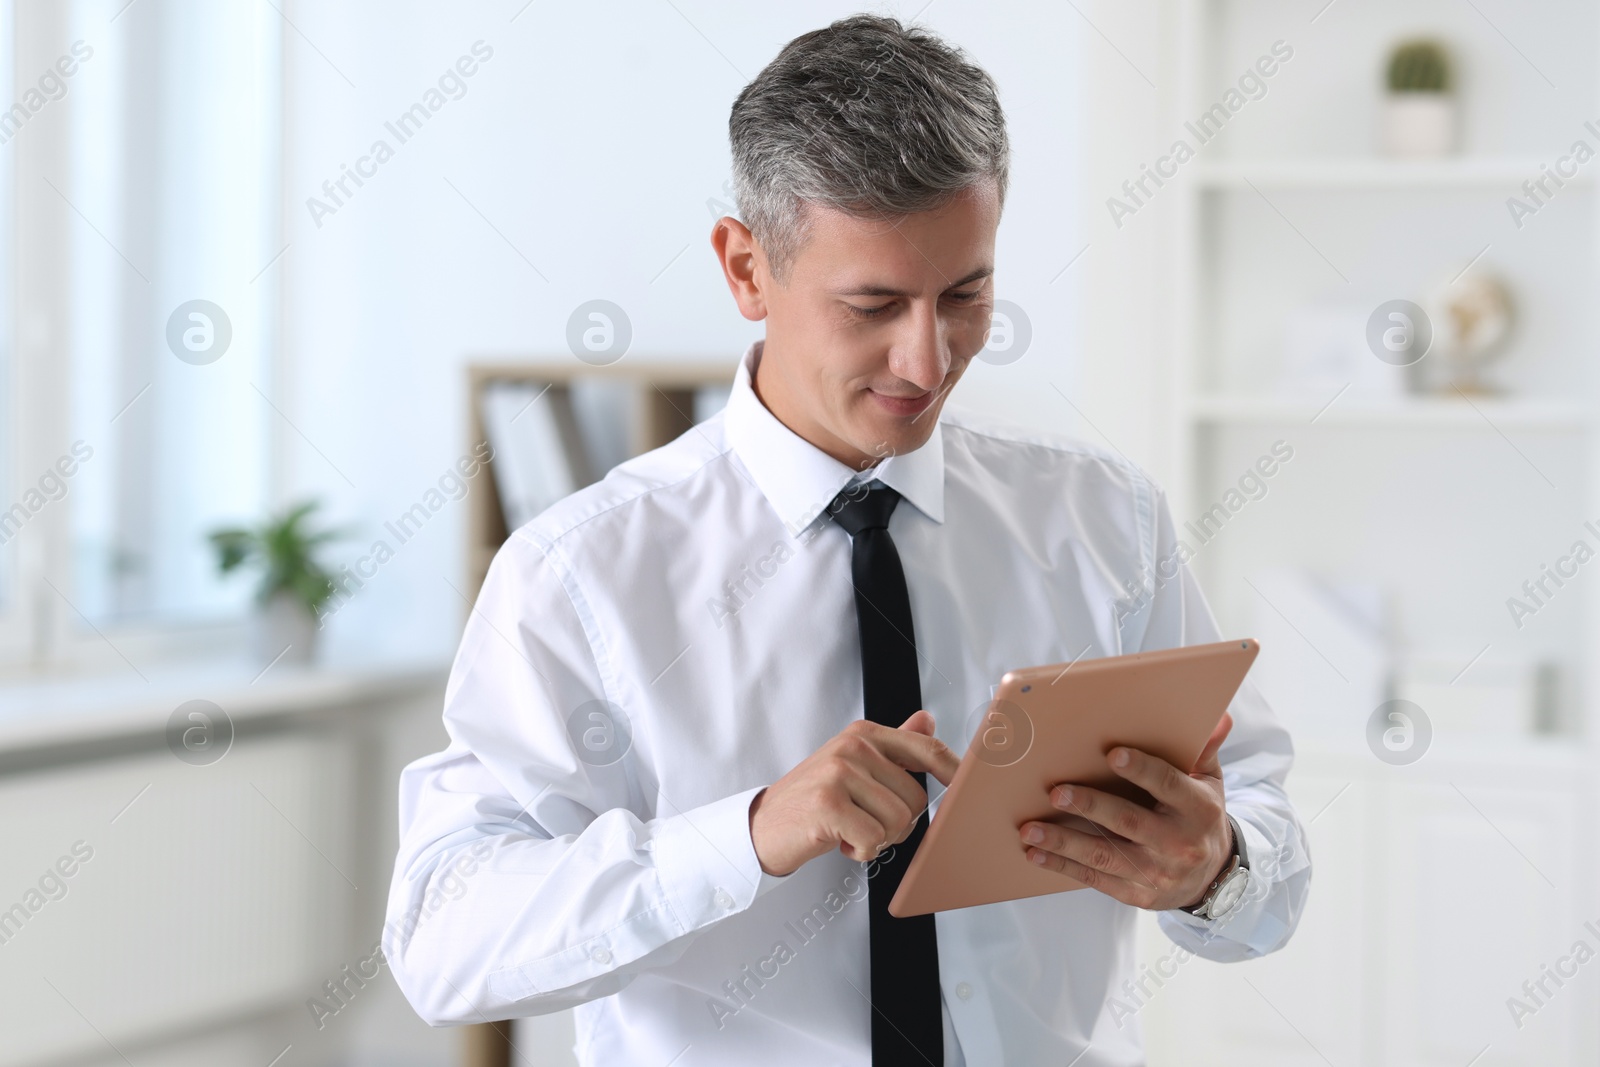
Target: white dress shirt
{"x": 650, "y": 652}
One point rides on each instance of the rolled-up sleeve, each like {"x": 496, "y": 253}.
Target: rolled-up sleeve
{"x": 531, "y": 874}
{"x": 1255, "y": 758}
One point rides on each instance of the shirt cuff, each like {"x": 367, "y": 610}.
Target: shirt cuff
{"x": 707, "y": 862}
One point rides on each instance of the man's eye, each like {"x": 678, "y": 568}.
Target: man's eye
{"x": 867, "y": 313}
{"x": 964, "y": 297}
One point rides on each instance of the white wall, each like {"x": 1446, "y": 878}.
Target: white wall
{"x": 591, "y": 141}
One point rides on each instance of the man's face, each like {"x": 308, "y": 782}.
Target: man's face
{"x": 875, "y": 324}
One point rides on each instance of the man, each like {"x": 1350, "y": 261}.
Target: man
{"x": 697, "y": 704}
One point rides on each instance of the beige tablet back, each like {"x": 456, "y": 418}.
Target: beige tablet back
{"x": 1048, "y": 725}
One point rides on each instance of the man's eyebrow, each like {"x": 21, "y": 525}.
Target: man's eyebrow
{"x": 884, "y": 290}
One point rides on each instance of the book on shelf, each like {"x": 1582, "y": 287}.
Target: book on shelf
{"x": 539, "y": 453}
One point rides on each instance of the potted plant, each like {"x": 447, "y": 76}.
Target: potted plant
{"x": 293, "y": 587}
{"x": 1419, "y": 117}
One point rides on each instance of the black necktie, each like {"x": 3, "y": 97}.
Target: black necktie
{"x": 907, "y": 1023}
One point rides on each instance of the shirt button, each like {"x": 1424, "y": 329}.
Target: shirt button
{"x": 723, "y": 900}
{"x": 601, "y": 955}
{"x": 964, "y": 991}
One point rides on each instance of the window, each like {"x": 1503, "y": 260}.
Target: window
{"x": 8, "y": 572}
{"x": 154, "y": 172}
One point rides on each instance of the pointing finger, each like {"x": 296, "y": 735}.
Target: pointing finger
{"x": 916, "y": 751}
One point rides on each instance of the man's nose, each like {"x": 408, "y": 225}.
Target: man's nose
{"x": 921, "y": 355}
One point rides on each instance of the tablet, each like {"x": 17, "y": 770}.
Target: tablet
{"x": 1047, "y": 725}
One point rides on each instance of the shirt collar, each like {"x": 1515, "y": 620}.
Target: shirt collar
{"x": 798, "y": 478}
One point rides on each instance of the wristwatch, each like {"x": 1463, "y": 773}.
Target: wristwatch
{"x": 1224, "y": 894}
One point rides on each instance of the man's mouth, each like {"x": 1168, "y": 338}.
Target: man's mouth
{"x": 904, "y": 405}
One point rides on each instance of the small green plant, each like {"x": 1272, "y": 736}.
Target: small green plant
{"x": 1419, "y": 67}
{"x": 286, "y": 552}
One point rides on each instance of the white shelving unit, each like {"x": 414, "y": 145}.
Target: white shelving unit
{"x": 1421, "y": 413}
{"x": 1440, "y": 886}
{"x": 1485, "y": 172}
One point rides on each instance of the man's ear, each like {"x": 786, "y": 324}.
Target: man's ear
{"x": 744, "y": 265}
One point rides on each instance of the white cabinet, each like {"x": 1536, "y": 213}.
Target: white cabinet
{"x": 1490, "y": 870}
{"x": 206, "y": 893}
{"x": 1438, "y": 890}
{"x": 157, "y": 911}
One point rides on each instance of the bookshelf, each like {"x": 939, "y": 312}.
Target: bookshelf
{"x": 653, "y": 401}
{"x": 643, "y": 405}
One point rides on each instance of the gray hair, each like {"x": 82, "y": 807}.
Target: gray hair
{"x": 864, "y": 116}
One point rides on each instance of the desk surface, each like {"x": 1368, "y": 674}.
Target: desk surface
{"x": 49, "y": 712}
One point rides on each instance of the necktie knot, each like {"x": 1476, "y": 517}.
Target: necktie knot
{"x": 858, "y": 509}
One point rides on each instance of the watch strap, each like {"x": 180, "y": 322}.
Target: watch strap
{"x": 1239, "y": 847}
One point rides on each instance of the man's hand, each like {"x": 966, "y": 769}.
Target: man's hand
{"x": 1160, "y": 858}
{"x": 855, "y": 793}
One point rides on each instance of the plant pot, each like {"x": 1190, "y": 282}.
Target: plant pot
{"x": 1419, "y": 125}
{"x": 282, "y": 627}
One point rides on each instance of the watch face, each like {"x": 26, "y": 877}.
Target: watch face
{"x": 1229, "y": 893}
